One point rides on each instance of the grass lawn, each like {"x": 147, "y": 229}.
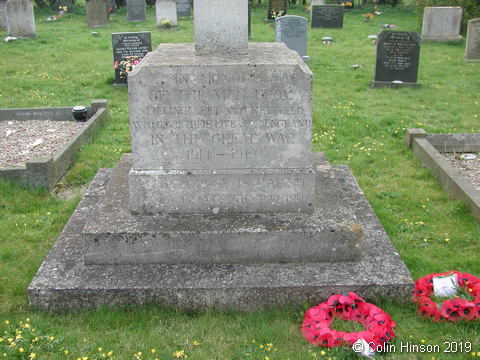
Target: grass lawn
{"x": 353, "y": 125}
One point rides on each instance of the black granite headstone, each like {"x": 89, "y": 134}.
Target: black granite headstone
{"x": 276, "y": 8}
{"x": 136, "y": 10}
{"x": 184, "y": 8}
{"x": 327, "y": 16}
{"x": 398, "y": 55}
{"x": 130, "y": 44}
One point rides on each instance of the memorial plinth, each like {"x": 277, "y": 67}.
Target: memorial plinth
{"x": 214, "y": 134}
{"x": 221, "y": 202}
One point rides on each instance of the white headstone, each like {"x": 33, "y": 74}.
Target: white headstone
{"x": 472, "y": 49}
{"x": 442, "y": 23}
{"x": 20, "y": 18}
{"x": 166, "y": 9}
{"x": 226, "y": 34}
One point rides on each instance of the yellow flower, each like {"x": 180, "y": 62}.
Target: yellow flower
{"x": 195, "y": 343}
{"x": 65, "y": 352}
{"x": 153, "y": 351}
{"x": 139, "y": 353}
{"x": 322, "y": 353}
{"x": 7, "y": 322}
{"x": 51, "y": 338}
{"x": 32, "y": 356}
{"x": 99, "y": 349}
{"x": 179, "y": 354}
{"x": 110, "y": 353}
{"x": 21, "y": 350}
{"x": 28, "y": 320}
{"x": 423, "y": 341}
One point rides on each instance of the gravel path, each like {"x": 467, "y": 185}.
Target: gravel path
{"x": 21, "y": 140}
{"x": 470, "y": 169}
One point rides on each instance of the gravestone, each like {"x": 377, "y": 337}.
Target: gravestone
{"x": 292, "y": 30}
{"x": 472, "y": 48}
{"x": 276, "y": 8}
{"x": 249, "y": 17}
{"x": 3, "y": 14}
{"x": 130, "y": 44}
{"x": 398, "y": 55}
{"x": 327, "y": 16}
{"x": 184, "y": 8}
{"x": 166, "y": 9}
{"x": 97, "y": 13}
{"x": 222, "y": 203}
{"x": 136, "y": 10}
{"x": 442, "y": 23}
{"x": 20, "y": 18}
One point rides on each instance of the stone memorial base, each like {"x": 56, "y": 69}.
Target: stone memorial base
{"x": 107, "y": 256}
{"x": 383, "y": 84}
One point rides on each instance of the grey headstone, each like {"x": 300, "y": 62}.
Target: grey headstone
{"x": 225, "y": 135}
{"x": 3, "y": 14}
{"x": 166, "y": 9}
{"x": 249, "y": 17}
{"x": 276, "y": 8}
{"x": 184, "y": 8}
{"x": 136, "y": 10}
{"x": 442, "y": 23}
{"x": 327, "y": 16}
{"x": 130, "y": 44}
{"x": 97, "y": 14}
{"x": 20, "y": 18}
{"x": 397, "y": 58}
{"x": 226, "y": 34}
{"x": 292, "y": 30}
{"x": 472, "y": 49}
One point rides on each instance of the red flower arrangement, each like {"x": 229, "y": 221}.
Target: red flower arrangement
{"x": 451, "y": 309}
{"x": 350, "y": 307}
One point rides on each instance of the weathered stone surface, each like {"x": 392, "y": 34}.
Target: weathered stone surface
{"x": 292, "y": 30}
{"x": 276, "y": 8}
{"x": 20, "y": 18}
{"x": 184, "y": 8}
{"x": 136, "y": 10}
{"x": 115, "y": 236}
{"x": 166, "y": 9}
{"x": 442, "y": 23}
{"x": 130, "y": 44}
{"x": 472, "y": 48}
{"x": 398, "y": 55}
{"x": 223, "y": 35}
{"x": 237, "y": 118}
{"x": 327, "y": 16}
{"x": 3, "y": 14}
{"x": 65, "y": 282}
{"x": 97, "y": 13}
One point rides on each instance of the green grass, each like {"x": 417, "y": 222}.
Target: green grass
{"x": 353, "y": 125}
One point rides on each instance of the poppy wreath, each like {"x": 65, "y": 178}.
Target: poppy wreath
{"x": 452, "y": 309}
{"x": 316, "y": 324}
